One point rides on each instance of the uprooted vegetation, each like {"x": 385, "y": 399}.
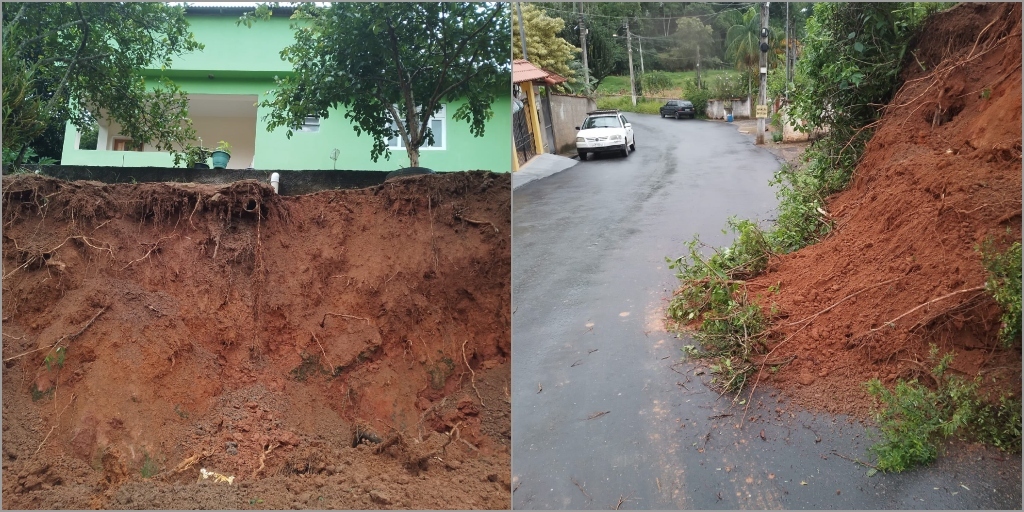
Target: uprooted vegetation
{"x": 153, "y": 332}
{"x": 898, "y": 233}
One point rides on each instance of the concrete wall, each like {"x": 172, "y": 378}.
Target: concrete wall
{"x": 741, "y": 109}
{"x": 292, "y": 182}
{"x": 567, "y": 113}
{"x": 790, "y": 134}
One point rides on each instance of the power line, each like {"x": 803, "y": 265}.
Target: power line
{"x": 739, "y": 7}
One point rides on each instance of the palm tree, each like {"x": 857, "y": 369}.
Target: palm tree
{"x": 743, "y": 44}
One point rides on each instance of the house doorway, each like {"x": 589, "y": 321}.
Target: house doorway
{"x": 230, "y": 118}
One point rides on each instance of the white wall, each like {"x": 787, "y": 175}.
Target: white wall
{"x": 240, "y": 132}
{"x": 568, "y": 113}
{"x": 741, "y": 109}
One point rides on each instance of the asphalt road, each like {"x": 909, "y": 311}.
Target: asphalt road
{"x": 604, "y": 413}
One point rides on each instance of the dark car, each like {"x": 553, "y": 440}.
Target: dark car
{"x": 678, "y": 109}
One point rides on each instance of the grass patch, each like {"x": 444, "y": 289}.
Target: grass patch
{"x": 38, "y": 394}
{"x": 56, "y": 358}
{"x": 625, "y": 104}
{"x": 913, "y": 419}
{"x": 149, "y": 467}
{"x": 677, "y": 80}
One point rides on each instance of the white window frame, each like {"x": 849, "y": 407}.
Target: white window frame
{"x": 311, "y": 124}
{"x": 441, "y": 115}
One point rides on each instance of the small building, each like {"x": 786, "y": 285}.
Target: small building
{"x": 227, "y": 81}
{"x": 532, "y": 117}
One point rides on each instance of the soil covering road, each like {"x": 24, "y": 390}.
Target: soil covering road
{"x": 344, "y": 349}
{"x": 901, "y": 271}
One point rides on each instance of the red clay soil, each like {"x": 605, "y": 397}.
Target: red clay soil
{"x": 153, "y": 331}
{"x": 900, "y": 272}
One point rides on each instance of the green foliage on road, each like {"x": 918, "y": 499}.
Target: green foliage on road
{"x": 913, "y": 418}
{"x": 729, "y": 325}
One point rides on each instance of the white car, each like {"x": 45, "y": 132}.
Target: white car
{"x": 604, "y": 131}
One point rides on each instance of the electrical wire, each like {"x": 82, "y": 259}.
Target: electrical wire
{"x": 739, "y": 7}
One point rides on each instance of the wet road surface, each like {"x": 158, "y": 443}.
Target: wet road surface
{"x": 605, "y": 415}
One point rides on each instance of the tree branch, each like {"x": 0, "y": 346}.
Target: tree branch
{"x": 85, "y": 40}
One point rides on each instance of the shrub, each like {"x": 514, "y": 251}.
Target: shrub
{"x": 724, "y": 87}
{"x": 699, "y": 98}
{"x": 1004, "y": 283}
{"x": 655, "y": 81}
{"x": 913, "y": 419}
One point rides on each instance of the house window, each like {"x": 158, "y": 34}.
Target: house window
{"x": 125, "y": 144}
{"x": 438, "y": 126}
{"x": 311, "y": 124}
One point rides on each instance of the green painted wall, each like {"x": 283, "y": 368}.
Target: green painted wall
{"x": 275, "y": 151}
{"x": 244, "y": 60}
{"x": 231, "y": 47}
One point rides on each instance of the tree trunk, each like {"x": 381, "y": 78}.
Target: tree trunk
{"x": 414, "y": 156}
{"x": 21, "y": 155}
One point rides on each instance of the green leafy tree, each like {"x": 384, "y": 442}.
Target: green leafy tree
{"x": 692, "y": 36}
{"x": 392, "y": 66}
{"x": 80, "y": 62}
{"x": 606, "y": 53}
{"x": 544, "y": 47}
{"x": 852, "y": 55}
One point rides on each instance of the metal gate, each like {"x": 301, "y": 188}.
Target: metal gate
{"x": 523, "y": 136}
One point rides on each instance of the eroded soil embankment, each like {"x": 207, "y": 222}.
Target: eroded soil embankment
{"x": 153, "y": 330}
{"x": 941, "y": 175}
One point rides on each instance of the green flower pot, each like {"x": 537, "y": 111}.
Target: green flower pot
{"x": 220, "y": 159}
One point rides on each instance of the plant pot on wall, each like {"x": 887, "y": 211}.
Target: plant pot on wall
{"x": 195, "y": 157}
{"x": 220, "y": 159}
{"x": 221, "y": 155}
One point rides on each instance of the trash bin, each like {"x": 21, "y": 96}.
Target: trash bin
{"x": 728, "y": 118}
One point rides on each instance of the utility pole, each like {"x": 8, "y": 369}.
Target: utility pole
{"x": 629, "y": 49}
{"x": 522, "y": 29}
{"x": 787, "y": 77}
{"x": 698, "y": 65}
{"x": 762, "y": 96}
{"x": 641, "y": 41}
{"x": 583, "y": 42}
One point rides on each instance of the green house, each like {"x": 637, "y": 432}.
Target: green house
{"x": 235, "y": 72}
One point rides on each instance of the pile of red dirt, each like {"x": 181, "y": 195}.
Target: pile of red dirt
{"x": 344, "y": 349}
{"x": 900, "y": 272}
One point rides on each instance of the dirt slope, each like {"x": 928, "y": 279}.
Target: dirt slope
{"x": 941, "y": 174}
{"x": 153, "y": 330}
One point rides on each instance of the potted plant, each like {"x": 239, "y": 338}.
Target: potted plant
{"x": 195, "y": 157}
{"x": 221, "y": 155}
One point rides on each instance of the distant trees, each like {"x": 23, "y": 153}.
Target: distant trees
{"x": 692, "y": 37}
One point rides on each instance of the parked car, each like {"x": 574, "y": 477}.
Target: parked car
{"x": 678, "y": 109}
{"x": 604, "y": 131}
